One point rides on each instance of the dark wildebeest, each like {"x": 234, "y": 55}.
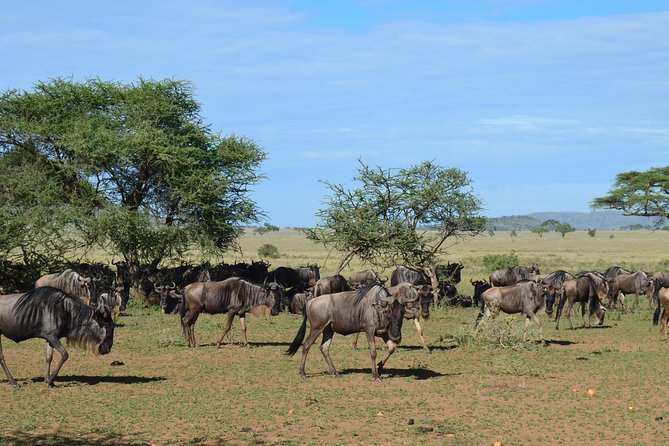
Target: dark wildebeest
{"x": 370, "y": 309}
{"x": 233, "y": 296}
{"x": 586, "y": 290}
{"x": 299, "y": 300}
{"x": 637, "y": 283}
{"x": 362, "y": 278}
{"x": 51, "y": 314}
{"x": 526, "y": 297}
{"x": 418, "y": 311}
{"x": 662, "y": 302}
{"x": 415, "y": 276}
{"x": 479, "y": 287}
{"x": 511, "y": 276}
{"x": 553, "y": 282}
{"x": 285, "y": 276}
{"x": 330, "y": 285}
{"x": 71, "y": 283}
{"x": 308, "y": 274}
{"x": 170, "y": 300}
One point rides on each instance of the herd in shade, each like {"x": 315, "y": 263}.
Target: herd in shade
{"x": 81, "y": 303}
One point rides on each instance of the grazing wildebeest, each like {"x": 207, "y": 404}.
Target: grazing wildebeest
{"x": 233, "y": 296}
{"x": 71, "y": 283}
{"x": 662, "y": 302}
{"x": 637, "y": 283}
{"x": 511, "y": 276}
{"x": 362, "y": 278}
{"x": 479, "y": 287}
{"x": 330, "y": 285}
{"x": 51, "y": 314}
{"x": 586, "y": 290}
{"x": 299, "y": 301}
{"x": 525, "y": 297}
{"x": 370, "y": 309}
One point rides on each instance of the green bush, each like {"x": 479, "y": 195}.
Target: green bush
{"x": 500, "y": 261}
{"x": 269, "y": 251}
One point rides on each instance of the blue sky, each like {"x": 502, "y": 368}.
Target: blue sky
{"x": 542, "y": 102}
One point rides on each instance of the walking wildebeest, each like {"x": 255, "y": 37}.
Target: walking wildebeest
{"x": 370, "y": 309}
{"x": 662, "y": 302}
{"x": 362, "y": 278}
{"x": 330, "y": 285}
{"x": 637, "y": 283}
{"x": 233, "y": 296}
{"x": 72, "y": 283}
{"x": 586, "y": 290}
{"x": 51, "y": 314}
{"x": 511, "y": 276}
{"x": 418, "y": 311}
{"x": 525, "y": 297}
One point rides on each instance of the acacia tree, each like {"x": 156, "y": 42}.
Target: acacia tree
{"x": 644, "y": 194}
{"x": 132, "y": 166}
{"x": 398, "y": 215}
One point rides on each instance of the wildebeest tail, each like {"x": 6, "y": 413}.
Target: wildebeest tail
{"x": 656, "y": 315}
{"x": 563, "y": 298}
{"x": 182, "y": 305}
{"x": 481, "y": 311}
{"x": 299, "y": 337}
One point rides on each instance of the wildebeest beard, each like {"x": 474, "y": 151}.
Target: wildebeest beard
{"x": 395, "y": 315}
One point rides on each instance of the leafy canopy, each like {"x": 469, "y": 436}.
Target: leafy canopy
{"x": 131, "y": 167}
{"x": 643, "y": 194}
{"x": 398, "y": 215}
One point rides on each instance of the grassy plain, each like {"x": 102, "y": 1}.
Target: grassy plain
{"x": 464, "y": 393}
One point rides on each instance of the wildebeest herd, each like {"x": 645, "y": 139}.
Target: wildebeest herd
{"x": 80, "y": 304}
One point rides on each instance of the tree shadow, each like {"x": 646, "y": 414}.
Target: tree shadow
{"x": 94, "y": 380}
{"x": 25, "y": 439}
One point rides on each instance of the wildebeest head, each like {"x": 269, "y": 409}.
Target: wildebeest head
{"x": 479, "y": 287}
{"x": 393, "y": 307}
{"x": 273, "y": 296}
{"x": 104, "y": 333}
{"x": 169, "y": 299}
{"x": 549, "y": 292}
{"x": 425, "y": 295}
{"x": 598, "y": 310}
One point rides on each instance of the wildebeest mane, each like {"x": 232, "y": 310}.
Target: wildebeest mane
{"x": 243, "y": 295}
{"x": 361, "y": 292}
{"x": 68, "y": 281}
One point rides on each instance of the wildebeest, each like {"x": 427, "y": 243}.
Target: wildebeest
{"x": 330, "y": 285}
{"x": 51, "y": 314}
{"x": 552, "y": 282}
{"x": 637, "y": 283}
{"x": 71, "y": 283}
{"x": 170, "y": 300}
{"x": 371, "y": 309}
{"x": 660, "y": 280}
{"x": 233, "y": 296}
{"x": 309, "y": 274}
{"x": 415, "y": 276}
{"x": 299, "y": 301}
{"x": 417, "y": 311}
{"x": 662, "y": 302}
{"x": 613, "y": 271}
{"x": 511, "y": 276}
{"x": 362, "y": 278}
{"x": 586, "y": 290}
{"x": 479, "y": 287}
{"x": 525, "y": 297}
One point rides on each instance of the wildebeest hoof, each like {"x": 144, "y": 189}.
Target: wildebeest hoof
{"x": 15, "y": 386}
{"x": 50, "y": 383}
{"x": 378, "y": 379}
{"x": 428, "y": 351}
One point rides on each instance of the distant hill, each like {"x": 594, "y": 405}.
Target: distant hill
{"x": 600, "y": 220}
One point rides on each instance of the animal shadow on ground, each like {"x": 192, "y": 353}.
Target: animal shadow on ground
{"x": 26, "y": 439}
{"x": 93, "y": 380}
{"x": 416, "y": 373}
{"x": 549, "y": 342}
{"x": 251, "y": 344}
{"x": 432, "y": 347}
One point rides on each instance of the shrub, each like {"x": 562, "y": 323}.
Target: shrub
{"x": 500, "y": 261}
{"x": 268, "y": 250}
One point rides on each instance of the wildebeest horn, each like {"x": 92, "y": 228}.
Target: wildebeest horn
{"x": 156, "y": 287}
{"x": 174, "y": 285}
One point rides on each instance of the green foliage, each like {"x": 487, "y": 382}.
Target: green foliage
{"x": 513, "y": 233}
{"x": 551, "y": 224}
{"x": 500, "y": 261}
{"x": 592, "y": 232}
{"x": 639, "y": 193}
{"x": 398, "y": 215}
{"x": 130, "y": 167}
{"x": 260, "y": 230}
{"x": 539, "y": 230}
{"x": 564, "y": 228}
{"x": 268, "y": 250}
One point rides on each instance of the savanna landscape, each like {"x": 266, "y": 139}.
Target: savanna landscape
{"x": 601, "y": 386}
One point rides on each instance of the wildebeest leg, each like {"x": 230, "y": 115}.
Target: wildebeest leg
{"x": 568, "y": 314}
{"x": 314, "y": 333}
{"x": 372, "y": 353}
{"x": 10, "y": 378}
{"x": 391, "y": 349}
{"x": 49, "y": 358}
{"x": 55, "y": 343}
{"x": 242, "y": 324}
{"x": 419, "y": 327}
{"x": 355, "y": 341}
{"x": 328, "y": 332}
{"x": 228, "y": 325}
{"x": 621, "y": 298}
{"x": 583, "y": 324}
{"x": 188, "y": 325}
